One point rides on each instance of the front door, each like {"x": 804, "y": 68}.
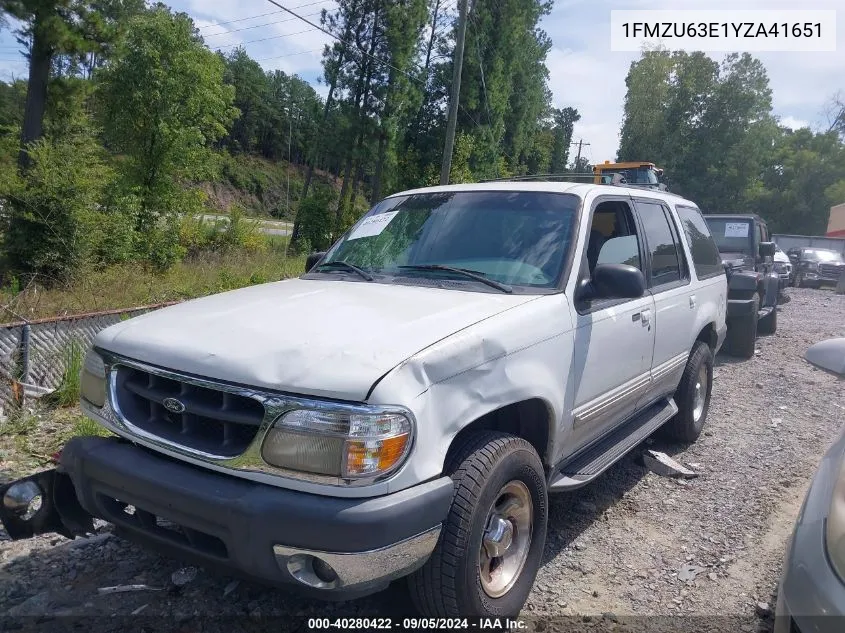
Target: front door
{"x": 614, "y": 339}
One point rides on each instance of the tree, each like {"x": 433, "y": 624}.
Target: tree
{"x": 564, "y": 123}
{"x": 162, "y": 103}
{"x": 836, "y": 114}
{"x": 251, "y": 98}
{"x": 50, "y": 27}
{"x": 708, "y": 124}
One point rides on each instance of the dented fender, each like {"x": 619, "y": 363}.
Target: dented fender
{"x": 518, "y": 355}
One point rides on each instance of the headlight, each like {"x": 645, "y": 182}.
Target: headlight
{"x": 835, "y": 536}
{"x": 93, "y": 380}
{"x": 338, "y": 444}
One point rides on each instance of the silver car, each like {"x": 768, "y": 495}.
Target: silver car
{"x": 811, "y": 596}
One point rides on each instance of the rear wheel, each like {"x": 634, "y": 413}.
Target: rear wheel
{"x": 742, "y": 332}
{"x": 492, "y": 540}
{"x": 692, "y": 396}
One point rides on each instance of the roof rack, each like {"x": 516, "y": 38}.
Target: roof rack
{"x": 543, "y": 178}
{"x": 580, "y": 177}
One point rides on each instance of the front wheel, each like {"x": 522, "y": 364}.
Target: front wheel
{"x": 492, "y": 540}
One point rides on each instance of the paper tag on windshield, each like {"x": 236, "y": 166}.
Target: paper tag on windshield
{"x": 373, "y": 225}
{"x": 736, "y": 229}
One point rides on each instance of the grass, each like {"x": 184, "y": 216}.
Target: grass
{"x": 67, "y": 393}
{"x": 131, "y": 285}
{"x": 29, "y": 437}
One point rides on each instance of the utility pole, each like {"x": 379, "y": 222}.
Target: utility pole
{"x": 581, "y": 143}
{"x": 455, "y": 96}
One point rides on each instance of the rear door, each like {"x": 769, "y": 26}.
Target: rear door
{"x": 614, "y": 338}
{"x": 668, "y": 278}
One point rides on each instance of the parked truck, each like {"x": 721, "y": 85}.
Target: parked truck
{"x": 753, "y": 283}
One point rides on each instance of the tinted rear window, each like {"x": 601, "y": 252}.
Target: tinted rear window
{"x": 705, "y": 254}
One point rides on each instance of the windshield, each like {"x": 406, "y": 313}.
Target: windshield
{"x": 823, "y": 256}
{"x": 514, "y": 238}
{"x": 732, "y": 236}
{"x": 638, "y": 176}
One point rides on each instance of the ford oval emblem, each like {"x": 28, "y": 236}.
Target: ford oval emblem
{"x": 173, "y": 405}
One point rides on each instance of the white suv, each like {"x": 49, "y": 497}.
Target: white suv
{"x": 406, "y": 406}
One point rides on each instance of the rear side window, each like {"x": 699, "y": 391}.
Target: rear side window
{"x": 666, "y": 264}
{"x": 705, "y": 254}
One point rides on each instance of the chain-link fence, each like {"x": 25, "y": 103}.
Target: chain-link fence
{"x": 34, "y": 355}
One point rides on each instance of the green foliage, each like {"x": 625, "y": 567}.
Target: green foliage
{"x": 233, "y": 232}
{"x": 315, "y": 217}
{"x": 53, "y": 207}
{"x": 162, "y": 103}
{"x": 67, "y": 394}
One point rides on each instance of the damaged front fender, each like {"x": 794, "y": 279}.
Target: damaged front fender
{"x": 43, "y": 503}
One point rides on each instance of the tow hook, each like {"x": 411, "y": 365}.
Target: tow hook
{"x": 42, "y": 503}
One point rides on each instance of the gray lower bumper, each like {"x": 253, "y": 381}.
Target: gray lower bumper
{"x": 334, "y": 548}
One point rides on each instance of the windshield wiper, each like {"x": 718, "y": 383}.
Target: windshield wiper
{"x": 346, "y": 266}
{"x": 472, "y": 274}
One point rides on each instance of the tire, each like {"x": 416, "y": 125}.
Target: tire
{"x": 450, "y": 583}
{"x": 742, "y": 333}
{"x": 692, "y": 396}
{"x": 769, "y": 324}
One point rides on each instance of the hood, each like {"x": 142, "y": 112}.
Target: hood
{"x": 327, "y": 338}
{"x": 781, "y": 257}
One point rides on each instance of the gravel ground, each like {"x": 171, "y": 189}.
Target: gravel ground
{"x": 632, "y": 544}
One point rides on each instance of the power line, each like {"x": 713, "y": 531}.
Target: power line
{"x": 275, "y": 37}
{"x": 345, "y": 43}
{"x": 262, "y": 15}
{"x": 258, "y": 26}
{"x": 264, "y": 59}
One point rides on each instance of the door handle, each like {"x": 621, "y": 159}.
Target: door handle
{"x": 692, "y": 301}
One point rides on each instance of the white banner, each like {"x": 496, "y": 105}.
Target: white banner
{"x": 724, "y": 31}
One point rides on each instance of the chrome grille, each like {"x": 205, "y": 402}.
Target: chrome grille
{"x": 215, "y": 422}
{"x": 831, "y": 271}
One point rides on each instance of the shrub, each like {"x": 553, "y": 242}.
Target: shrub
{"x": 316, "y": 217}
{"x": 50, "y": 207}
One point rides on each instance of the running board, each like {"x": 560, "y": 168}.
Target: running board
{"x": 594, "y": 460}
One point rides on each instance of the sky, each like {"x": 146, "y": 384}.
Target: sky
{"x": 583, "y": 72}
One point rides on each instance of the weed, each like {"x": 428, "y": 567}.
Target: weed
{"x": 67, "y": 393}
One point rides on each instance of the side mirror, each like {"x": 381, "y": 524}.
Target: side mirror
{"x": 767, "y": 249}
{"x": 312, "y": 260}
{"x": 828, "y": 355}
{"x": 614, "y": 281}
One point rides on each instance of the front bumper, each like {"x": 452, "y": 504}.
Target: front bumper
{"x": 738, "y": 308}
{"x": 266, "y": 533}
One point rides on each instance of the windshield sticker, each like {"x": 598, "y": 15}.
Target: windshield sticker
{"x": 736, "y": 229}
{"x": 373, "y": 225}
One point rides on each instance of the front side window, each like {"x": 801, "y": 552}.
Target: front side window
{"x": 521, "y": 239}
{"x": 613, "y": 236}
{"x": 705, "y": 254}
